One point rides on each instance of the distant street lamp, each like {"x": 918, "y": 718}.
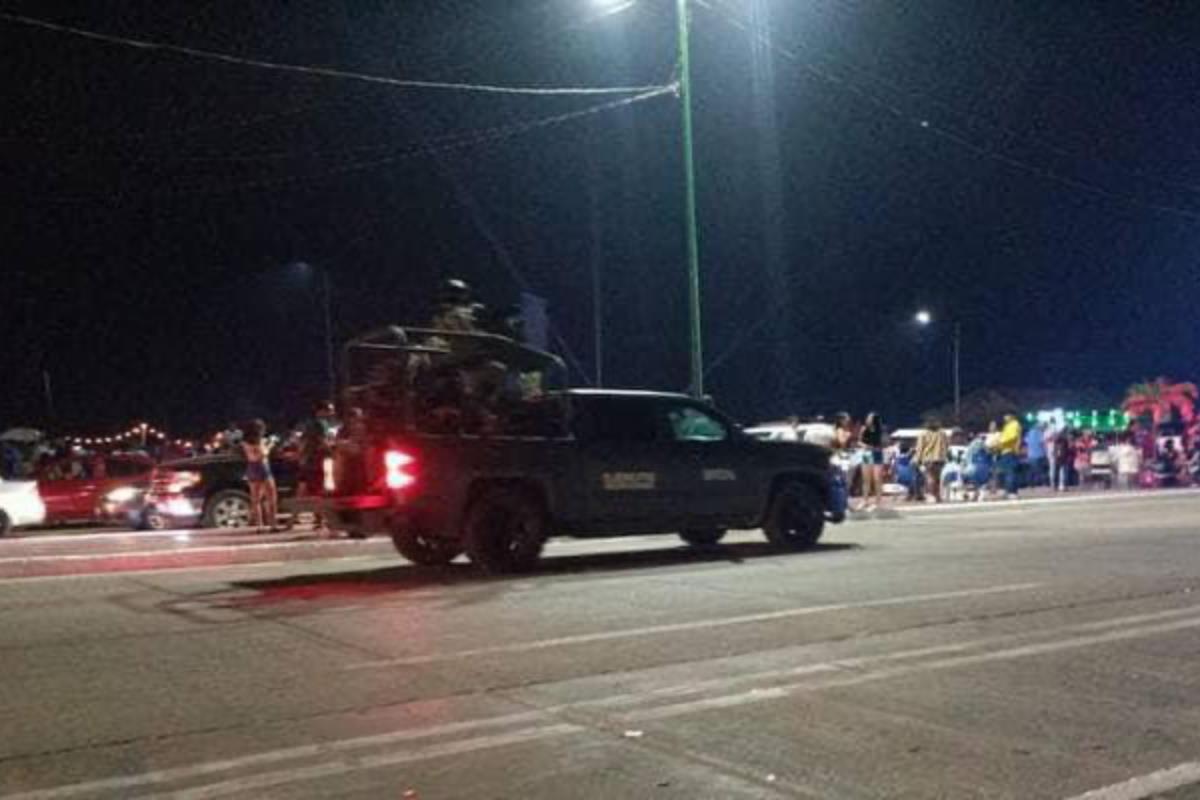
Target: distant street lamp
{"x": 924, "y": 318}
{"x": 689, "y": 172}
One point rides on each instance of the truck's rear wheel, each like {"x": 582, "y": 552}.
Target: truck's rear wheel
{"x": 702, "y": 537}
{"x": 796, "y": 517}
{"x": 423, "y": 549}
{"x": 504, "y": 531}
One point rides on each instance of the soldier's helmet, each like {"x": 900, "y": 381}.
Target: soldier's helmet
{"x": 454, "y": 292}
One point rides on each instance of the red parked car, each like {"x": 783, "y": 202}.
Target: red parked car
{"x": 94, "y": 488}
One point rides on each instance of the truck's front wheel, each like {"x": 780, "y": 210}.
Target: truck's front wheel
{"x": 796, "y": 517}
{"x": 424, "y": 549}
{"x": 504, "y": 530}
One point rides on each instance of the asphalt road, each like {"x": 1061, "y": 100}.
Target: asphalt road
{"x": 1013, "y": 652}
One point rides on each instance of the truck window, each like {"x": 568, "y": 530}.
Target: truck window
{"x": 690, "y": 424}
{"x": 616, "y": 420}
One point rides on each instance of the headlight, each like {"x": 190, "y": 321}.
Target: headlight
{"x": 122, "y": 495}
{"x": 183, "y": 480}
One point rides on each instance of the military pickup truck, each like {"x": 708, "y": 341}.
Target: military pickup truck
{"x": 558, "y": 463}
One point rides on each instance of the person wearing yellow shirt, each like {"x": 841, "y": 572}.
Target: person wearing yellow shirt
{"x": 1008, "y": 450}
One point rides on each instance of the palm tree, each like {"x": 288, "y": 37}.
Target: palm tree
{"x": 1159, "y": 398}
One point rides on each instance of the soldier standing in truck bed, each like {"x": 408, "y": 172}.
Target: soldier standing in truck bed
{"x": 455, "y": 310}
{"x": 472, "y": 392}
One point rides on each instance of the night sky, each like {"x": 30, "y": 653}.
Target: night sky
{"x": 1030, "y": 169}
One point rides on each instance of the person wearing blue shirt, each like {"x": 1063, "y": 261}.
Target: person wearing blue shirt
{"x": 978, "y": 467}
{"x": 1035, "y": 452}
{"x": 906, "y": 472}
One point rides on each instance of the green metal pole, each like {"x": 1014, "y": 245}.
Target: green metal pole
{"x": 693, "y": 246}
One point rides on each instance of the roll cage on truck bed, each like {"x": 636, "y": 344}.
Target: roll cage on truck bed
{"x": 451, "y": 445}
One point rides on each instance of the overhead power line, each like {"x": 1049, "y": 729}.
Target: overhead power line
{"x": 450, "y": 142}
{"x": 321, "y": 72}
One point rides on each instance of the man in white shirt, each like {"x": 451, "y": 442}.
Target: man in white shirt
{"x": 1127, "y": 460}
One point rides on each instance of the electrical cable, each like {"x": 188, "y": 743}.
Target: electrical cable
{"x": 478, "y": 138}
{"x": 322, "y": 72}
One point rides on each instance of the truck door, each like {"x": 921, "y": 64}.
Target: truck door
{"x": 624, "y": 467}
{"x": 718, "y": 470}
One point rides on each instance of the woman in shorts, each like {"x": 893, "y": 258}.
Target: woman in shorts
{"x": 264, "y": 498}
{"x": 871, "y": 438}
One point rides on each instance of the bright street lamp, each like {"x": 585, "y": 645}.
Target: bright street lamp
{"x": 923, "y": 317}
{"x": 607, "y": 7}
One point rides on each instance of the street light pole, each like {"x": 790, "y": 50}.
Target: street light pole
{"x": 924, "y": 319}
{"x": 329, "y": 365}
{"x": 957, "y": 379}
{"x": 693, "y": 246}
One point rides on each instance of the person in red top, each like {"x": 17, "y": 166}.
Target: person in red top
{"x": 1083, "y": 458}
{"x": 1064, "y": 459}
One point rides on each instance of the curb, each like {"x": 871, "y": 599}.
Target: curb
{"x": 900, "y": 511}
{"x": 268, "y": 553}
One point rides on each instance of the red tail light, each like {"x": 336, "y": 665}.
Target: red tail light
{"x": 399, "y": 469}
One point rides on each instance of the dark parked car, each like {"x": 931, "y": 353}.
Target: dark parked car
{"x": 211, "y": 491}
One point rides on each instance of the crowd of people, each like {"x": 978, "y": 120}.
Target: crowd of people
{"x": 938, "y": 464}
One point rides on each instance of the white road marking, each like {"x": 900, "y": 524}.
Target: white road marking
{"x": 540, "y": 724}
{"x": 842, "y": 666}
{"x": 268, "y": 757}
{"x": 936, "y": 519}
{"x": 1063, "y": 500}
{"x": 1144, "y": 786}
{"x": 677, "y": 627}
{"x": 854, "y": 679}
{"x": 341, "y": 767}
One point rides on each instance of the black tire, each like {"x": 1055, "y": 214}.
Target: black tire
{"x": 6, "y": 526}
{"x": 151, "y": 520}
{"x": 796, "y": 517}
{"x": 505, "y": 530}
{"x": 228, "y": 509}
{"x": 703, "y": 537}
{"x": 421, "y": 548}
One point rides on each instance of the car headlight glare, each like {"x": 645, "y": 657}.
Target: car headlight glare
{"x": 122, "y": 494}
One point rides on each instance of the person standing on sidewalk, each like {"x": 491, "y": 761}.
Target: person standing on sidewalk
{"x": 1064, "y": 455}
{"x": 1009, "y": 451}
{"x": 871, "y": 437}
{"x": 1035, "y": 451}
{"x": 264, "y": 499}
{"x": 1050, "y": 441}
{"x": 1083, "y": 458}
{"x": 1127, "y": 462}
{"x": 933, "y": 447}
{"x": 315, "y": 440}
